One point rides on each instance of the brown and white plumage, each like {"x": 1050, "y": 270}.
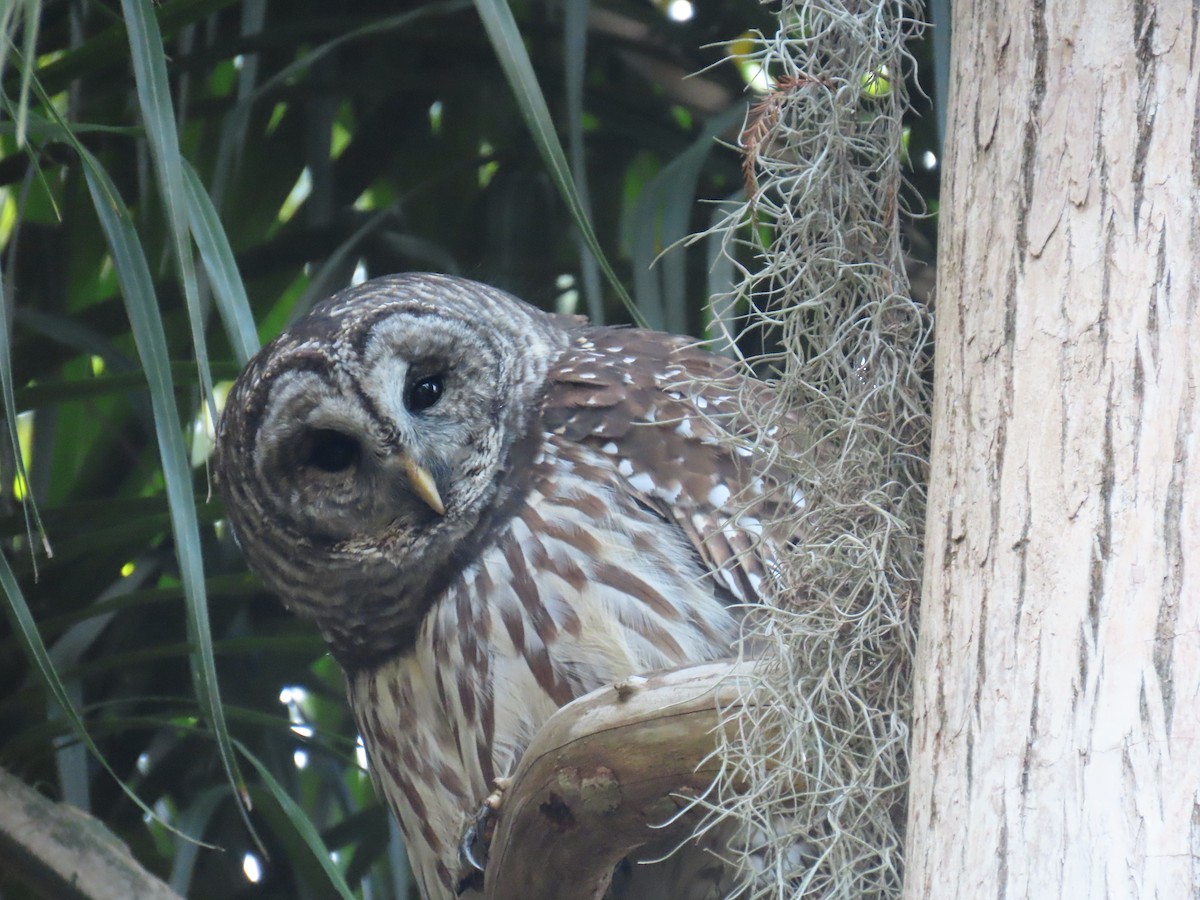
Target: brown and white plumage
{"x": 585, "y": 480}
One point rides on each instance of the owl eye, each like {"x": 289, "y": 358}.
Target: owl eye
{"x": 423, "y": 392}
{"x": 330, "y": 451}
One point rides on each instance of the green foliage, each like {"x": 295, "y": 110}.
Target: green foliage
{"x": 172, "y": 174}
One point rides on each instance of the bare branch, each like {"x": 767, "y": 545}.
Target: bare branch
{"x": 608, "y": 774}
{"x": 61, "y": 851}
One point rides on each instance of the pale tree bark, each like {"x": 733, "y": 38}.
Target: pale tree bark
{"x": 62, "y": 852}
{"x": 1056, "y": 751}
{"x": 609, "y": 775}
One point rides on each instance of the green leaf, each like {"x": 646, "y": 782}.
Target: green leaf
{"x": 660, "y": 223}
{"x": 506, "y": 41}
{"x": 33, "y": 520}
{"x": 379, "y": 26}
{"x": 35, "y": 649}
{"x": 106, "y": 47}
{"x": 192, "y": 821}
{"x": 137, "y": 289}
{"x": 158, "y": 115}
{"x": 221, "y": 267}
{"x": 33, "y": 17}
{"x": 302, "y": 824}
{"x": 723, "y": 308}
{"x": 35, "y": 126}
{"x": 575, "y": 30}
{"x": 49, "y": 393}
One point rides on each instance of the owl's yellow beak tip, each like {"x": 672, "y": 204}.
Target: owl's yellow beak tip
{"x": 423, "y": 485}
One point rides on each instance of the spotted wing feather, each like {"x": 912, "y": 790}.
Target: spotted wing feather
{"x": 668, "y": 414}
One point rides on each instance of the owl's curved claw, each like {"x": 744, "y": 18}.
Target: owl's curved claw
{"x": 473, "y": 849}
{"x": 477, "y": 839}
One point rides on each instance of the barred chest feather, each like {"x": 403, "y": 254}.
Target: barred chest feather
{"x": 585, "y": 585}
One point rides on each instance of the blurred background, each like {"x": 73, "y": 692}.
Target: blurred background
{"x": 180, "y": 180}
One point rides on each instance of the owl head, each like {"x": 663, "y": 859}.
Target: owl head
{"x": 374, "y": 440}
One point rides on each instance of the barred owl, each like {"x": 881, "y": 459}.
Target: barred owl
{"x": 488, "y": 511}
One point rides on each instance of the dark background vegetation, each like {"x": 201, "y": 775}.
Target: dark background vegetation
{"x": 332, "y": 139}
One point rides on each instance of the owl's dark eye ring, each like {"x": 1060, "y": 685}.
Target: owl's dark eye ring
{"x": 424, "y": 392}
{"x": 330, "y": 451}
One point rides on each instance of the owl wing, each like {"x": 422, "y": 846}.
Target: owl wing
{"x": 669, "y": 415}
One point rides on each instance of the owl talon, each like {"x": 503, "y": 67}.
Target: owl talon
{"x": 477, "y": 839}
{"x": 474, "y": 846}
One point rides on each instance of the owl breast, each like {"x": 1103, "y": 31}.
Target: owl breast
{"x": 583, "y": 586}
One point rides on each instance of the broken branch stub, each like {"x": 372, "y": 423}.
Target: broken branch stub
{"x": 607, "y": 775}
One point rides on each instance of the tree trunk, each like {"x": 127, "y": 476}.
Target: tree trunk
{"x": 1055, "y": 745}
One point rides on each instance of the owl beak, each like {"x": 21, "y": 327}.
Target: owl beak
{"x": 423, "y": 485}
